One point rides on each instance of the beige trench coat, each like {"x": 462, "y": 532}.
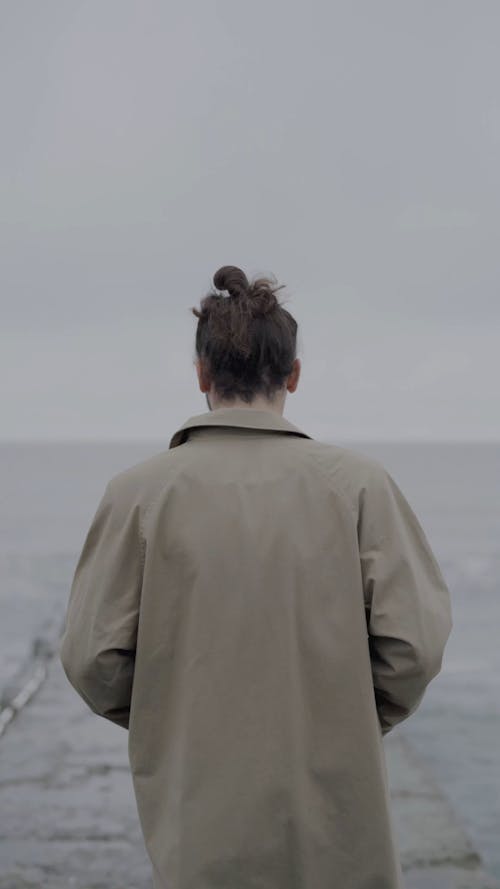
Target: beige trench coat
{"x": 258, "y": 609}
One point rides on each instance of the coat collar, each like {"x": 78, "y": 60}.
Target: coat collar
{"x": 242, "y": 417}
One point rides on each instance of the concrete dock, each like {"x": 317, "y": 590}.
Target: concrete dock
{"x": 69, "y": 818}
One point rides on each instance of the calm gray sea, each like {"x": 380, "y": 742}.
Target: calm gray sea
{"x": 49, "y": 493}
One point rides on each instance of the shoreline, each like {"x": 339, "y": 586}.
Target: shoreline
{"x": 27, "y": 680}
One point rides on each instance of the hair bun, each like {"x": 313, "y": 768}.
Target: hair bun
{"x": 232, "y": 279}
{"x": 263, "y": 297}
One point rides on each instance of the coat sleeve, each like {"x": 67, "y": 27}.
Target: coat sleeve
{"x": 97, "y": 647}
{"x": 407, "y": 602}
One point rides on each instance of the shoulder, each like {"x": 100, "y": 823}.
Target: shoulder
{"x": 382, "y": 508}
{"x": 351, "y": 470}
{"x": 138, "y": 484}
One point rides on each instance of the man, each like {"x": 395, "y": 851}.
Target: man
{"x": 258, "y": 609}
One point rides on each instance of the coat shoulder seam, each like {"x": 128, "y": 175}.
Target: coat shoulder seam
{"x": 338, "y": 488}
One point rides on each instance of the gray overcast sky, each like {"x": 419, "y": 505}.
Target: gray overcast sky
{"x": 350, "y": 148}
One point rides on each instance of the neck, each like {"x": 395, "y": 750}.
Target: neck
{"x": 257, "y": 403}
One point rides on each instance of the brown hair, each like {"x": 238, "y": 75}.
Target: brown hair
{"x": 247, "y": 340}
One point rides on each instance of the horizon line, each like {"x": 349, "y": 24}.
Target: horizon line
{"x": 337, "y": 440}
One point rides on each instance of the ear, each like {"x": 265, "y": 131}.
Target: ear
{"x": 203, "y": 378}
{"x": 293, "y": 379}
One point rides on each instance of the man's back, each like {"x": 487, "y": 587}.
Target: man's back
{"x": 276, "y": 609}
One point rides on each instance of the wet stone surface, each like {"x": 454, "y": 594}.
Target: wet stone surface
{"x": 69, "y": 818}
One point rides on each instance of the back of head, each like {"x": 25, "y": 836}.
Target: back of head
{"x": 246, "y": 339}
